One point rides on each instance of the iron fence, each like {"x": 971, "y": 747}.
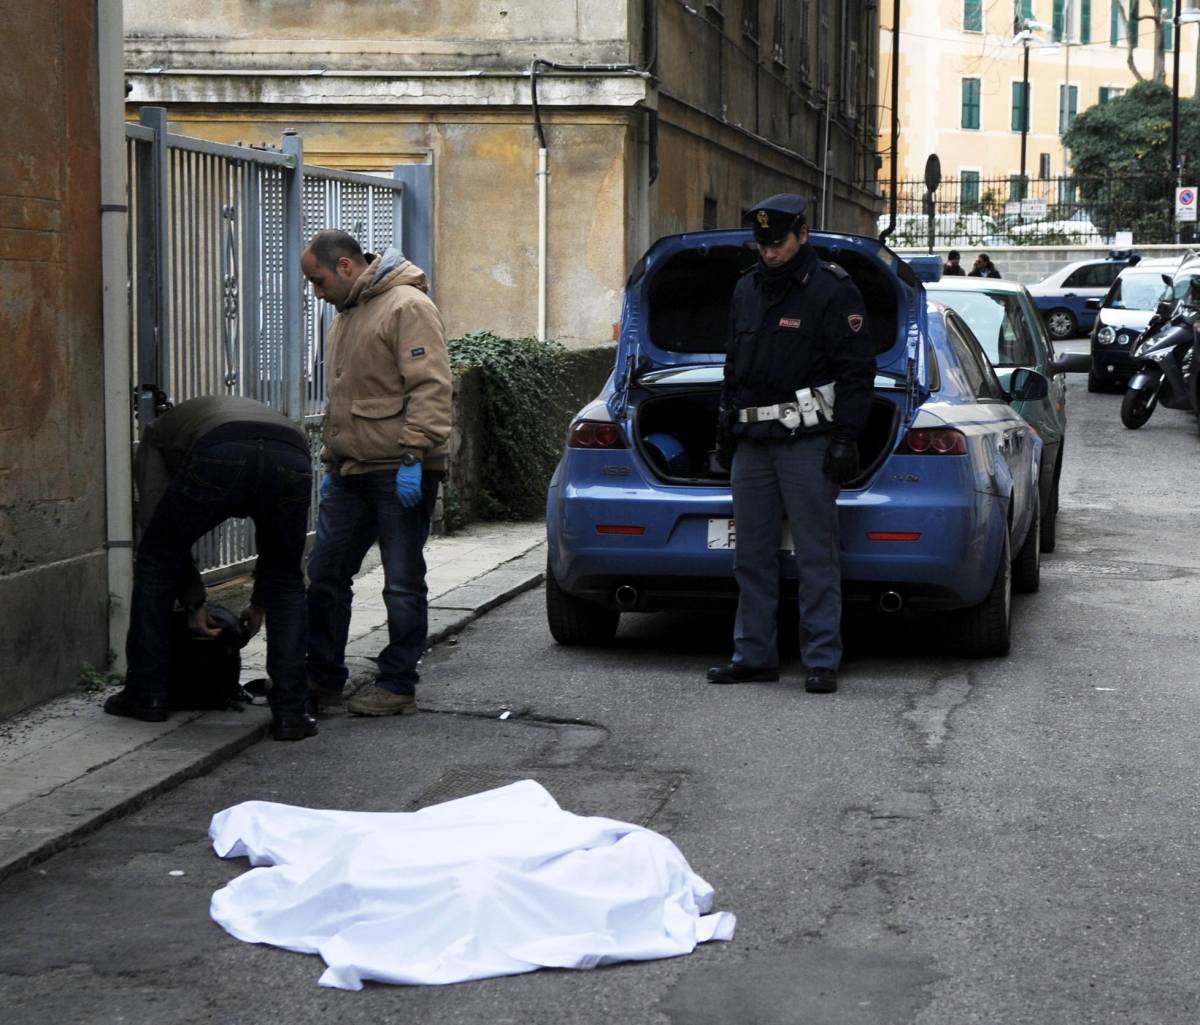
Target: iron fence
{"x": 218, "y": 304}
{"x": 970, "y": 212}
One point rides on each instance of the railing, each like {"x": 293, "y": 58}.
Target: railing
{"x": 218, "y": 303}
{"x": 976, "y": 213}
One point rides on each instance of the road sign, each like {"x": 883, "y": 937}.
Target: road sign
{"x": 1185, "y": 203}
{"x": 933, "y": 172}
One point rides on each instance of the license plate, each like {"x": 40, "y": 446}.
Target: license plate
{"x": 722, "y": 535}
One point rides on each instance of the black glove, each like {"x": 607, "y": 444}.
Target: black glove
{"x": 841, "y": 460}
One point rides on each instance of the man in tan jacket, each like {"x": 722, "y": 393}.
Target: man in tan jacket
{"x": 387, "y": 421}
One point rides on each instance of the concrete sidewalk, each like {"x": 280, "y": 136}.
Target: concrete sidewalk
{"x": 66, "y": 767}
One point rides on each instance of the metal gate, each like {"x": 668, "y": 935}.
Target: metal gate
{"x": 218, "y": 303}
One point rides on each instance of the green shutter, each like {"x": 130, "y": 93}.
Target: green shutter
{"x": 970, "y": 188}
{"x": 1056, "y": 21}
{"x": 1027, "y": 9}
{"x": 972, "y": 15}
{"x": 1168, "y": 22}
{"x": 1114, "y": 24}
{"x": 1085, "y": 21}
{"x": 1132, "y": 31}
{"x": 970, "y": 103}
{"x": 1018, "y": 91}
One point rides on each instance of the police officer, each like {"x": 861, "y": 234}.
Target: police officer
{"x": 799, "y": 376}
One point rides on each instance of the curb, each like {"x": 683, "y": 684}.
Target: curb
{"x": 41, "y": 827}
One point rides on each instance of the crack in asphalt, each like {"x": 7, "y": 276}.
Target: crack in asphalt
{"x": 930, "y": 712}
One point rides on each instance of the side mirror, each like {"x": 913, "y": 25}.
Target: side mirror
{"x": 1093, "y": 303}
{"x": 1027, "y": 385}
{"x": 1164, "y": 307}
{"x": 1167, "y": 279}
{"x": 1072, "y": 362}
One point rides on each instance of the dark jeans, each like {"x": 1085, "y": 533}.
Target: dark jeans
{"x": 360, "y": 509}
{"x": 268, "y": 481}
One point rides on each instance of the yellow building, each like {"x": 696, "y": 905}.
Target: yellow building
{"x": 962, "y": 74}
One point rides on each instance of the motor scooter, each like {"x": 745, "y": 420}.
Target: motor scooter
{"x": 1165, "y": 355}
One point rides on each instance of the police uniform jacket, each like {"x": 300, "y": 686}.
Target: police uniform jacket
{"x": 805, "y": 331}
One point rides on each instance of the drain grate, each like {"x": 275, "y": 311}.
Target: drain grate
{"x": 630, "y": 796}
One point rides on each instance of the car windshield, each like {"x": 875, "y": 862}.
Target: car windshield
{"x": 995, "y": 319}
{"x": 1137, "y": 290}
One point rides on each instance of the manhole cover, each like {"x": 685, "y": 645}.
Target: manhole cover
{"x": 629, "y": 796}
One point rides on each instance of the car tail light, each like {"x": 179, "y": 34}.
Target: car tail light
{"x": 592, "y": 434}
{"x": 938, "y": 441}
{"x": 620, "y": 528}
{"x": 893, "y": 535}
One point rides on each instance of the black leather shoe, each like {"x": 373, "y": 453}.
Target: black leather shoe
{"x": 293, "y": 727}
{"x": 132, "y": 707}
{"x": 737, "y": 672}
{"x": 820, "y": 681}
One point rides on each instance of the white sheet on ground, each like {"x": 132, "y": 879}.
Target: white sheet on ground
{"x": 498, "y": 883}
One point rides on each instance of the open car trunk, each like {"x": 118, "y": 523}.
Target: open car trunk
{"x": 685, "y": 295}
{"x": 677, "y": 432}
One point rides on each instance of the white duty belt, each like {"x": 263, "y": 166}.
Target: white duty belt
{"x": 812, "y": 405}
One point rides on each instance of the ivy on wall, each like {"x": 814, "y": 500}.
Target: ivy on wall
{"x": 522, "y": 381}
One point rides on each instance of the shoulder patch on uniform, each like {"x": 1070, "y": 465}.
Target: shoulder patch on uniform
{"x": 418, "y": 351}
{"x": 855, "y": 320}
{"x": 836, "y": 270}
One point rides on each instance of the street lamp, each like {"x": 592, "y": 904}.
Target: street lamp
{"x": 1024, "y": 36}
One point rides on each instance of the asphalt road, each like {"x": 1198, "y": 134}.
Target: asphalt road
{"x": 943, "y": 842}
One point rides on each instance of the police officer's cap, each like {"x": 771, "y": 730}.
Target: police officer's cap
{"x": 775, "y": 216}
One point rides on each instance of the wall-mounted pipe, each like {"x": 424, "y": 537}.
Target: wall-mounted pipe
{"x": 647, "y": 69}
{"x": 118, "y": 400}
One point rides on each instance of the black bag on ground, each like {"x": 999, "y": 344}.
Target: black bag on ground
{"x": 205, "y": 673}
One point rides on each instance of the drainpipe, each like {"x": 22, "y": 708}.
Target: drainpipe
{"x": 118, "y": 402}
{"x": 892, "y": 201}
{"x": 542, "y": 175}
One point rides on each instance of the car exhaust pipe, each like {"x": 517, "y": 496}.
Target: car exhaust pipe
{"x": 891, "y": 602}
{"x": 626, "y": 596}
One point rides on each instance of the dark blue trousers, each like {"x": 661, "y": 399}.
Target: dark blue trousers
{"x": 360, "y": 509}
{"x": 769, "y": 479}
{"x": 269, "y": 482}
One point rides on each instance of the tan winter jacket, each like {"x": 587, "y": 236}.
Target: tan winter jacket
{"x": 388, "y": 373}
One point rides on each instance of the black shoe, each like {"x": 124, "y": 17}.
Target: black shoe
{"x": 126, "y": 704}
{"x": 738, "y": 672}
{"x": 820, "y": 681}
{"x": 293, "y": 727}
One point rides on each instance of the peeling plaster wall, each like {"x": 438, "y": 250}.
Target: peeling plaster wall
{"x": 53, "y": 596}
{"x": 375, "y": 34}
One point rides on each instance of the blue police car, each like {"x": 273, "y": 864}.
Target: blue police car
{"x": 943, "y": 518}
{"x": 1062, "y": 297}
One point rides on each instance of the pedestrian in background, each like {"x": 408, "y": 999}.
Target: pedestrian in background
{"x": 198, "y": 464}
{"x": 953, "y": 268}
{"x": 387, "y": 421}
{"x": 799, "y": 380}
{"x": 983, "y": 267}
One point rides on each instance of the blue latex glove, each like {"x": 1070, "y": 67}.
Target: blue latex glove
{"x": 408, "y": 485}
{"x": 326, "y": 484}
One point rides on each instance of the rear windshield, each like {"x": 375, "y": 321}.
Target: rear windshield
{"x": 1137, "y": 290}
{"x": 690, "y": 296}
{"x": 997, "y": 321}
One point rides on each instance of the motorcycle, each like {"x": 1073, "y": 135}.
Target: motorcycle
{"x": 1166, "y": 363}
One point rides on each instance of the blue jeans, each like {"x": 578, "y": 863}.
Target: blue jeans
{"x": 268, "y": 481}
{"x": 769, "y": 479}
{"x": 360, "y": 509}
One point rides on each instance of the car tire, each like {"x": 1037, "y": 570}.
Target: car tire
{"x": 575, "y": 621}
{"x": 1050, "y": 520}
{"x": 1027, "y": 566}
{"x": 1061, "y": 324}
{"x": 1137, "y": 407}
{"x": 986, "y": 629}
